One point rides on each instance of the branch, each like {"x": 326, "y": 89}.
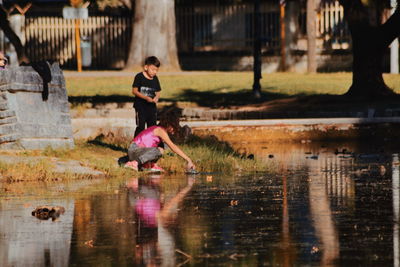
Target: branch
{"x": 12, "y": 36}
{"x": 390, "y": 29}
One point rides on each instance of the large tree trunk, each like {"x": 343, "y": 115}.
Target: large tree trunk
{"x": 154, "y": 34}
{"x": 371, "y": 40}
{"x": 368, "y": 65}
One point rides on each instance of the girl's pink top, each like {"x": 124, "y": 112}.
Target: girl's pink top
{"x": 147, "y": 138}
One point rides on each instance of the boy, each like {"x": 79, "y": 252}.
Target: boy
{"x": 146, "y": 89}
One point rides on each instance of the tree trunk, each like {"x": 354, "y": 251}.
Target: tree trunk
{"x": 292, "y": 13}
{"x": 154, "y": 34}
{"x": 371, "y": 40}
{"x": 311, "y": 37}
{"x": 367, "y": 65}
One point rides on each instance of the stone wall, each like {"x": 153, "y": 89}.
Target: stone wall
{"x": 27, "y": 121}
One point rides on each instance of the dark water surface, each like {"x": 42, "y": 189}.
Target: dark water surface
{"x": 326, "y": 205}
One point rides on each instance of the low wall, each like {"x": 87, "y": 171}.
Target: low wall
{"x": 302, "y": 130}
{"x": 29, "y": 121}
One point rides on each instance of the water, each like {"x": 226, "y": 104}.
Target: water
{"x": 326, "y": 205}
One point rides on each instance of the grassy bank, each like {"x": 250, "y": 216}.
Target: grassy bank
{"x": 102, "y": 155}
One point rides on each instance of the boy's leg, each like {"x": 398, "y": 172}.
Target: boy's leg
{"x": 140, "y": 121}
{"x": 151, "y": 116}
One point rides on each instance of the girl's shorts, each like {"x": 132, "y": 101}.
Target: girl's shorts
{"x": 143, "y": 154}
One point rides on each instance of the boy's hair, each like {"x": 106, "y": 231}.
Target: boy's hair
{"x": 152, "y": 61}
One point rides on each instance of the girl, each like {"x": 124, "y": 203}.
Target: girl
{"x": 144, "y": 150}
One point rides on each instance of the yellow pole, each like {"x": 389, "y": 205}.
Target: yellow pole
{"x": 283, "y": 37}
{"x": 78, "y": 45}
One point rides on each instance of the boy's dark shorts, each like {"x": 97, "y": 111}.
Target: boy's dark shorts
{"x": 143, "y": 154}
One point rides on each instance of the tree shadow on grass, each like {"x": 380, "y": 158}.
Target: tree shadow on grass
{"x": 220, "y": 99}
{"x": 102, "y": 141}
{"x": 329, "y": 103}
{"x": 99, "y": 100}
{"x": 269, "y": 101}
{"x": 212, "y": 99}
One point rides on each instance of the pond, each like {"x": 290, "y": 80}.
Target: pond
{"x": 325, "y": 205}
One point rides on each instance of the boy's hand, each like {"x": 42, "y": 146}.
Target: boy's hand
{"x": 155, "y": 99}
{"x": 149, "y": 99}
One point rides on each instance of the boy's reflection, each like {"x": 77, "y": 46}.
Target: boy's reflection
{"x": 155, "y": 243}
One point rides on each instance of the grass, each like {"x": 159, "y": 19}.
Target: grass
{"x": 214, "y": 89}
{"x": 102, "y": 154}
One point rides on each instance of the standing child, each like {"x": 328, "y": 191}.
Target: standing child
{"x": 146, "y": 89}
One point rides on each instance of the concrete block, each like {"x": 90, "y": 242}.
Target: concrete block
{"x": 8, "y": 120}
{"x": 9, "y": 138}
{"x": 34, "y": 143}
{"x": 7, "y": 113}
{"x": 36, "y": 123}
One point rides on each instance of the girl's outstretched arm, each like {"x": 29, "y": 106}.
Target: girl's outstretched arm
{"x": 160, "y": 132}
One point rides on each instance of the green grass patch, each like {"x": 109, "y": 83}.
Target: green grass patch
{"x": 215, "y": 89}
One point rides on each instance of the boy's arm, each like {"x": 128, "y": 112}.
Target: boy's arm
{"x": 135, "y": 92}
{"x": 157, "y": 97}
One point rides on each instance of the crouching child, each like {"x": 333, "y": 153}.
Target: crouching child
{"x": 145, "y": 149}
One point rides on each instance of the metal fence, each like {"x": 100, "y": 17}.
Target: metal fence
{"x": 53, "y": 38}
{"x": 230, "y": 27}
{"x": 224, "y": 27}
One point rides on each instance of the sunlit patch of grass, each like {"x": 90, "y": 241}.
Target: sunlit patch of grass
{"x": 209, "y": 155}
{"x": 215, "y": 157}
{"x": 40, "y": 170}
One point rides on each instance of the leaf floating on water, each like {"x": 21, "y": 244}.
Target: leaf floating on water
{"x": 89, "y": 243}
{"x": 209, "y": 178}
{"x": 120, "y": 220}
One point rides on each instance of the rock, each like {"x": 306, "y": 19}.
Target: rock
{"x": 47, "y": 212}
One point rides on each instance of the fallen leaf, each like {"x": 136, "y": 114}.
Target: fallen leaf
{"x": 89, "y": 243}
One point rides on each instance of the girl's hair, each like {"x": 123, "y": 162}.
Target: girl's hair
{"x": 170, "y": 118}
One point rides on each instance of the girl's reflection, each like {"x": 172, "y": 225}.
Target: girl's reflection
{"x": 155, "y": 244}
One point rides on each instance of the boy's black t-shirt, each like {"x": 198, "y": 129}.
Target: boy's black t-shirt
{"x": 146, "y": 87}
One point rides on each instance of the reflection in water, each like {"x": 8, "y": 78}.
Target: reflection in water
{"x": 156, "y": 216}
{"x": 321, "y": 214}
{"x": 321, "y": 208}
{"x": 28, "y": 241}
{"x": 396, "y": 208}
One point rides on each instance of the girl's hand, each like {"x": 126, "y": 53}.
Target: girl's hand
{"x": 190, "y": 165}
